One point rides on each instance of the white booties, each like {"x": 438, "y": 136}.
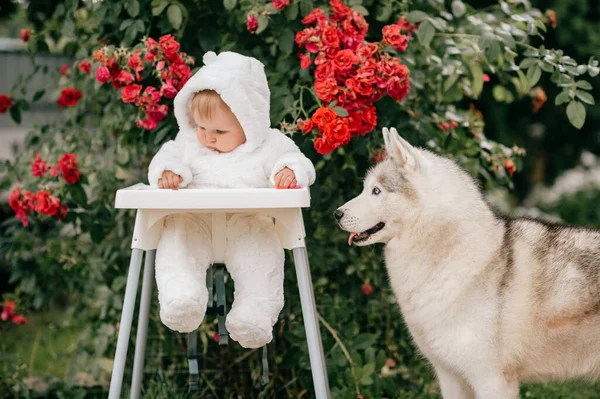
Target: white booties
{"x": 182, "y": 257}
{"x": 255, "y": 260}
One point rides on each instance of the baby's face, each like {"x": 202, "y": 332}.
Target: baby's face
{"x": 222, "y": 133}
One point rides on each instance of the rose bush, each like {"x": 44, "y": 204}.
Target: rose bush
{"x": 338, "y": 72}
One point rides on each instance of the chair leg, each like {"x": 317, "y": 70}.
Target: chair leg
{"x": 142, "y": 330}
{"x": 125, "y": 325}
{"x": 192, "y": 357}
{"x": 311, "y": 325}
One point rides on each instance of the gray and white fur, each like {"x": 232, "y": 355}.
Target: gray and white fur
{"x": 489, "y": 301}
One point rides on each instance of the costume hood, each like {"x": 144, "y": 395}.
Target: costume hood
{"x": 242, "y": 84}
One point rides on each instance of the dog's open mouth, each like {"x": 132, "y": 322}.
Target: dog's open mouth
{"x": 358, "y": 237}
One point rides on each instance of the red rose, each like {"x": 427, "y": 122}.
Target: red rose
{"x": 149, "y": 56}
{"x": 367, "y": 289}
{"x": 510, "y": 167}
{"x": 62, "y": 212}
{"x": 97, "y": 55}
{"x": 315, "y": 15}
{"x": 135, "y": 62}
{"x": 54, "y": 171}
{"x": 151, "y": 45}
{"x": 367, "y": 50}
{"x": 160, "y": 65}
{"x": 69, "y": 97}
{"x": 130, "y": 93}
{"x": 85, "y": 67}
{"x": 157, "y": 112}
{"x": 338, "y": 130}
{"x": 340, "y": 10}
{"x": 123, "y": 79}
{"x": 406, "y": 26}
{"x": 303, "y": 36}
{"x": 355, "y": 123}
{"x": 304, "y": 61}
{"x": 326, "y": 89}
{"x": 5, "y": 103}
{"x": 251, "y": 23}
{"x": 38, "y": 166}
{"x": 149, "y": 124}
{"x": 7, "y": 310}
{"x": 444, "y": 127}
{"x": 19, "y": 319}
{"x": 46, "y": 204}
{"x": 359, "y": 86}
{"x": 25, "y": 35}
{"x": 330, "y": 37}
{"x": 344, "y": 61}
{"x": 398, "y": 88}
{"x": 359, "y": 21}
{"x": 168, "y": 45}
{"x": 486, "y": 77}
{"x": 324, "y": 71}
{"x": 369, "y": 116}
{"x": 150, "y": 97}
{"x": 180, "y": 70}
{"x": 305, "y": 126}
{"x": 323, "y": 145}
{"x": 280, "y": 4}
{"x": 453, "y": 125}
{"x": 168, "y": 90}
{"x": 323, "y": 116}
{"x": 68, "y": 166}
{"x": 63, "y": 69}
{"x": 20, "y": 204}
{"x": 393, "y": 37}
{"x": 103, "y": 75}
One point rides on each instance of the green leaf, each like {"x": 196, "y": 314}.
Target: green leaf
{"x": 384, "y": 12}
{"x": 533, "y": 75}
{"x": 528, "y": 63}
{"x": 585, "y": 97}
{"x": 425, "y": 33}
{"x": 291, "y": 11}
{"x": 263, "y": 22}
{"x": 340, "y": 111}
{"x": 68, "y": 28}
{"x": 477, "y": 84}
{"x": 416, "y": 16}
{"x": 174, "y": 16}
{"x": 306, "y": 6}
{"x": 493, "y": 51}
{"x": 450, "y": 81}
{"x": 562, "y": 98}
{"x": 361, "y": 10}
{"x": 15, "y": 114}
{"x": 458, "y": 8}
{"x": 229, "y": 4}
{"x": 38, "y": 94}
{"x": 485, "y": 40}
{"x": 522, "y": 86}
{"x": 576, "y": 114}
{"x": 133, "y": 8}
{"x": 126, "y": 24}
{"x": 584, "y": 84}
{"x": 286, "y": 41}
{"x": 593, "y": 71}
{"x": 78, "y": 194}
{"x": 159, "y": 7}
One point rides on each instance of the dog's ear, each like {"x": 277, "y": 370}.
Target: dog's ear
{"x": 400, "y": 150}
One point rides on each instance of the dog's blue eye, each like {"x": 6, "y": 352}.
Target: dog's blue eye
{"x": 376, "y": 191}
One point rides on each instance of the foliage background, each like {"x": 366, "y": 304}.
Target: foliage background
{"x": 69, "y": 277}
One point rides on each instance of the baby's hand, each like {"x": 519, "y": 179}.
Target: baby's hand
{"x": 169, "y": 180}
{"x": 285, "y": 178}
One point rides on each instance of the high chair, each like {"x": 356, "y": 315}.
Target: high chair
{"x": 154, "y": 204}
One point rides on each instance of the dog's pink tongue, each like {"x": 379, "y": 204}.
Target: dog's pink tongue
{"x": 352, "y": 235}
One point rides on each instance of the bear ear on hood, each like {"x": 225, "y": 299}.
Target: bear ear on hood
{"x": 242, "y": 84}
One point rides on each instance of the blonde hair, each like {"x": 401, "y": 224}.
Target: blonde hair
{"x": 204, "y": 104}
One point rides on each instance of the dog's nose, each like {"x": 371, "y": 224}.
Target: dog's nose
{"x": 338, "y": 214}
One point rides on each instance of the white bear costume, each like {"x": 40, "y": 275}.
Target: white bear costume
{"x": 254, "y": 256}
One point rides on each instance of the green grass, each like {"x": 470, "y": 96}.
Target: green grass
{"x": 42, "y": 346}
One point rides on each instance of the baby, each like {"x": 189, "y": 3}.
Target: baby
{"x": 225, "y": 140}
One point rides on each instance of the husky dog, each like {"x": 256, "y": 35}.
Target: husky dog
{"x": 489, "y": 301}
